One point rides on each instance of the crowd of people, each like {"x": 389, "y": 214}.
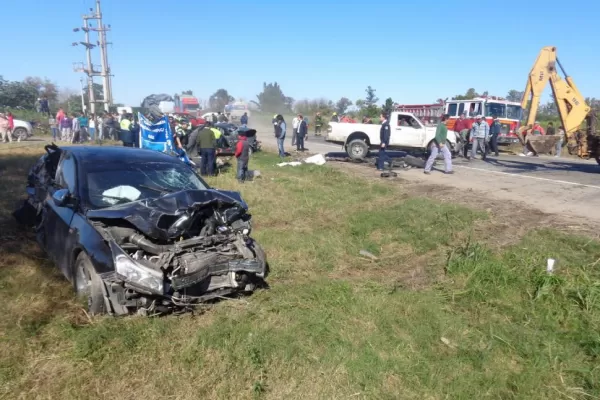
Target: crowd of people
{"x": 484, "y": 137}
{"x": 81, "y": 127}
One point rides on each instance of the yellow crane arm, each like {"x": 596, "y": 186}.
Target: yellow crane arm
{"x": 571, "y": 105}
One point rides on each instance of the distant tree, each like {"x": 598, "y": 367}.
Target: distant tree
{"x": 360, "y": 104}
{"x": 272, "y": 99}
{"x": 514, "y": 95}
{"x": 342, "y": 105}
{"x": 311, "y": 107}
{"x": 388, "y": 107}
{"x": 371, "y": 98}
{"x": 44, "y": 87}
{"x": 470, "y": 94}
{"x": 593, "y": 102}
{"x": 188, "y": 92}
{"x": 17, "y": 94}
{"x": 369, "y": 105}
{"x": 219, "y": 100}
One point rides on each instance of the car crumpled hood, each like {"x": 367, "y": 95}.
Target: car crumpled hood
{"x": 154, "y": 217}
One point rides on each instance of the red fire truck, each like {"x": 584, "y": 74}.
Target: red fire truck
{"x": 508, "y": 112}
{"x": 429, "y": 114}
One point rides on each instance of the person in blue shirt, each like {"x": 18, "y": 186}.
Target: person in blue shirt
{"x": 384, "y": 140}
{"x": 244, "y": 119}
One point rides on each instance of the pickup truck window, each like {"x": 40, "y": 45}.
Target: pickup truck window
{"x": 407, "y": 120}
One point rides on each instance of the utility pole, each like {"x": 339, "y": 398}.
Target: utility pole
{"x": 106, "y": 81}
{"x": 82, "y": 96}
{"x": 90, "y": 71}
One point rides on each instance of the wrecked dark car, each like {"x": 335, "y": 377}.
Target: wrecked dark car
{"x": 136, "y": 230}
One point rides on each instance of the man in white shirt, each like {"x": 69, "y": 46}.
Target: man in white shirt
{"x": 295, "y": 125}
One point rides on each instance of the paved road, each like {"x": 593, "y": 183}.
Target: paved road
{"x": 553, "y": 185}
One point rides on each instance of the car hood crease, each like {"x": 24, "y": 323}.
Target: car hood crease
{"x": 146, "y": 215}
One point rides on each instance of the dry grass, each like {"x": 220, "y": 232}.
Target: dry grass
{"x": 334, "y": 324}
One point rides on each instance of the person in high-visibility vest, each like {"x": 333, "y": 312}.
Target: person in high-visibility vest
{"x": 125, "y": 133}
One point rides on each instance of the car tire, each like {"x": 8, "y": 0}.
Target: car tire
{"x": 20, "y": 134}
{"x": 357, "y": 149}
{"x": 88, "y": 285}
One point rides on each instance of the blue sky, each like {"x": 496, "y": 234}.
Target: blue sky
{"x": 412, "y": 51}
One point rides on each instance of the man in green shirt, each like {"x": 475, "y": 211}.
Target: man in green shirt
{"x": 439, "y": 145}
{"x": 208, "y": 148}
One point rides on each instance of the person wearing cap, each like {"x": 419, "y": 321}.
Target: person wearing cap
{"x": 334, "y": 117}
{"x": 495, "y": 130}
{"x": 439, "y": 146}
{"x": 384, "y": 140}
{"x": 462, "y": 128}
{"x": 534, "y": 130}
{"x": 480, "y": 132}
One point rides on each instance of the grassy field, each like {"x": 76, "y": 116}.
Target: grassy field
{"x": 438, "y": 315}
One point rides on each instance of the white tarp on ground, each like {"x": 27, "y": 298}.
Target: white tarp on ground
{"x": 317, "y": 159}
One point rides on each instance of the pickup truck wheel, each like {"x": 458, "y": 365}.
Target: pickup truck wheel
{"x": 20, "y": 134}
{"x": 88, "y": 285}
{"x": 357, "y": 149}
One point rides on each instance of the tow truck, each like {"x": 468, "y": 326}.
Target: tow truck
{"x": 571, "y": 105}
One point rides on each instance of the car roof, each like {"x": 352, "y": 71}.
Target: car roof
{"x": 117, "y": 154}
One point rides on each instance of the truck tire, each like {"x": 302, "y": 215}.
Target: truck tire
{"x": 357, "y": 149}
{"x": 88, "y": 285}
{"x": 20, "y": 134}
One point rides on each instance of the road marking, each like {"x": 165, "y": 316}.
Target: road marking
{"x": 530, "y": 177}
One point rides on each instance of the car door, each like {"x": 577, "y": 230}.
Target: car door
{"x": 407, "y": 132}
{"x": 58, "y": 218}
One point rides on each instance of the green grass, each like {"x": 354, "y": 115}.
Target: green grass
{"x": 438, "y": 315}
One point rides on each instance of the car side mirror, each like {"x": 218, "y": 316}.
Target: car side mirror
{"x": 61, "y": 197}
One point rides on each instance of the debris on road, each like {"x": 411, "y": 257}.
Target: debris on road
{"x": 368, "y": 254}
{"x": 317, "y": 159}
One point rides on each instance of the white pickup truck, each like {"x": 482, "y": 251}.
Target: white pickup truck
{"x": 407, "y": 133}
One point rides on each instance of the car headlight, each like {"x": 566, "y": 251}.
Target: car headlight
{"x": 137, "y": 274}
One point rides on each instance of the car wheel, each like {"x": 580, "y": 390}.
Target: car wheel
{"x": 20, "y": 134}
{"x": 88, "y": 285}
{"x": 357, "y": 149}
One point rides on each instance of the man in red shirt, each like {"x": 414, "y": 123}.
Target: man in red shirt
{"x": 462, "y": 127}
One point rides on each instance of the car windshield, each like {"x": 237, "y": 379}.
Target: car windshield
{"x": 513, "y": 112}
{"x": 109, "y": 185}
{"x": 495, "y": 109}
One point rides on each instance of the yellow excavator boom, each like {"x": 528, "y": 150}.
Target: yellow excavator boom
{"x": 570, "y": 103}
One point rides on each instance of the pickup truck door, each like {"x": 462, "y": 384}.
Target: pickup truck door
{"x": 407, "y": 132}
{"x": 57, "y": 225}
